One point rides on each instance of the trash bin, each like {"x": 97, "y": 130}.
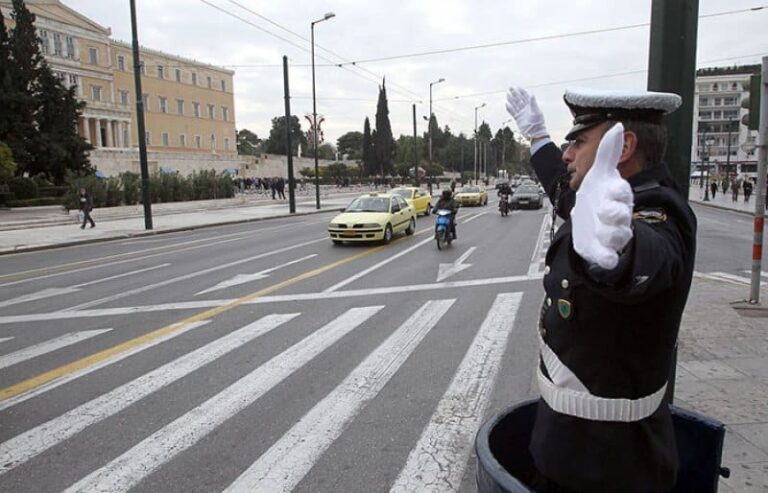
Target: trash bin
{"x": 503, "y": 458}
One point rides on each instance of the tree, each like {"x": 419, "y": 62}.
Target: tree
{"x": 248, "y": 143}
{"x": 326, "y": 151}
{"x": 383, "y": 143}
{"x": 369, "y": 162}
{"x": 351, "y": 145}
{"x": 276, "y": 142}
{"x": 7, "y": 164}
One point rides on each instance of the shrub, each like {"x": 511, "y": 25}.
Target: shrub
{"x": 131, "y": 186}
{"x": 23, "y": 188}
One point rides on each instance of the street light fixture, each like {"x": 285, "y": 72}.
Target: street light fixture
{"x": 476, "y": 108}
{"x": 429, "y": 124}
{"x": 327, "y": 16}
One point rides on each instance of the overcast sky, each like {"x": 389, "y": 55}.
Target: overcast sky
{"x": 365, "y": 29}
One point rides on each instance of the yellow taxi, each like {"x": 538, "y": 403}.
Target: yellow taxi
{"x": 373, "y": 217}
{"x": 472, "y": 195}
{"x": 416, "y": 198}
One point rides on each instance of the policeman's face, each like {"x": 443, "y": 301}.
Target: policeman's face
{"x": 581, "y": 153}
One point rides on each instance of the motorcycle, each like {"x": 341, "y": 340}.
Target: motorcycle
{"x": 443, "y": 234}
{"x": 504, "y": 204}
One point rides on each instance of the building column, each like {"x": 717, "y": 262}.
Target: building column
{"x": 97, "y": 128}
{"x": 110, "y": 137}
{"x": 128, "y": 142}
{"x": 87, "y": 129}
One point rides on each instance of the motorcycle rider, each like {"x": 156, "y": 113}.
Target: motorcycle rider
{"x": 504, "y": 192}
{"x": 446, "y": 202}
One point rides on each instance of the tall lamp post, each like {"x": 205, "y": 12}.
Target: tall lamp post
{"x": 327, "y": 16}
{"x": 429, "y": 130}
{"x": 476, "y": 108}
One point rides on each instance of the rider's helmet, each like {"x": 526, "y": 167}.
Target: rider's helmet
{"x": 446, "y": 194}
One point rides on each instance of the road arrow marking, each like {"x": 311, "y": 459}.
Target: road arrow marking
{"x": 244, "y": 278}
{"x": 51, "y": 292}
{"x": 447, "y": 270}
{"x": 48, "y": 346}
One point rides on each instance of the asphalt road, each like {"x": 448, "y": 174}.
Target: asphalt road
{"x": 260, "y": 357}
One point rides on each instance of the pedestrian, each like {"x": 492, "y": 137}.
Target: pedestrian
{"x": 713, "y": 189}
{"x": 747, "y": 189}
{"x": 273, "y": 186}
{"x": 735, "y": 185}
{"x": 86, "y": 206}
{"x": 617, "y": 276}
{"x": 281, "y": 188}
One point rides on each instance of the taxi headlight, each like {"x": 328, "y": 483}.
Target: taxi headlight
{"x": 370, "y": 225}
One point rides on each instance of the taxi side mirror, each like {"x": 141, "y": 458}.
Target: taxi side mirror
{"x": 395, "y": 208}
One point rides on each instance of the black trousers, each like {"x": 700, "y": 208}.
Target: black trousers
{"x": 87, "y": 217}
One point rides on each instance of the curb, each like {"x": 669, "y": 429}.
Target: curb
{"x": 724, "y": 208}
{"x": 123, "y": 236}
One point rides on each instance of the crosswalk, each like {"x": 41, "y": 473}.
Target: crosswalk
{"x": 436, "y": 460}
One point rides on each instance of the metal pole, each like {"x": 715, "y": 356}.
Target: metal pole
{"x": 415, "y": 154}
{"x": 291, "y": 181}
{"x": 145, "y": 196}
{"x": 475, "y": 139}
{"x": 314, "y": 121}
{"x": 706, "y": 150}
{"x": 762, "y": 162}
{"x": 429, "y": 132}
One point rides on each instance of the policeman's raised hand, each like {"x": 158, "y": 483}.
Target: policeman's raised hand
{"x": 525, "y": 110}
{"x": 602, "y": 216}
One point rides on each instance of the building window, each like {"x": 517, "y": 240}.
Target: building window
{"x": 198, "y": 142}
{"x": 734, "y": 87}
{"x": 226, "y": 143}
{"x": 703, "y": 101}
{"x": 180, "y": 106}
{"x": 210, "y": 82}
{"x": 163, "y": 104}
{"x": 194, "y": 78}
{"x": 714, "y": 86}
{"x": 148, "y": 138}
{"x": 96, "y": 93}
{"x": 142, "y": 68}
{"x": 57, "y": 44}
{"x": 211, "y": 111}
{"x": 45, "y": 46}
{"x": 730, "y": 115}
{"x": 705, "y": 115}
{"x": 178, "y": 75}
{"x": 121, "y": 63}
{"x": 731, "y": 101}
{"x": 213, "y": 142}
{"x": 165, "y": 139}
{"x": 182, "y": 140}
{"x": 718, "y": 101}
{"x": 160, "y": 72}
{"x": 145, "y": 97}
{"x": 225, "y": 113}
{"x": 124, "y": 98}
{"x": 93, "y": 56}
{"x": 196, "y": 109}
{"x": 73, "y": 80}
{"x": 70, "y": 47}
{"x": 223, "y": 85}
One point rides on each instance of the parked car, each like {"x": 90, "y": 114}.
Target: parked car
{"x": 527, "y": 195}
{"x": 416, "y": 198}
{"x": 373, "y": 217}
{"x": 472, "y": 195}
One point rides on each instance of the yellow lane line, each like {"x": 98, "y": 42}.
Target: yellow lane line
{"x": 96, "y": 358}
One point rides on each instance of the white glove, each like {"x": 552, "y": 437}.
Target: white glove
{"x": 602, "y": 216}
{"x": 524, "y": 109}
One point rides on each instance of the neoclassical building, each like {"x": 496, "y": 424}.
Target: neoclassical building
{"x": 189, "y": 105}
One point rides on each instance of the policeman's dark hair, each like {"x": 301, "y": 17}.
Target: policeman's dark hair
{"x": 651, "y": 140}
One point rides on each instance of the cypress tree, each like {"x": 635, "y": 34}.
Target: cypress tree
{"x": 5, "y": 80}
{"x": 383, "y": 142}
{"x": 367, "y": 159}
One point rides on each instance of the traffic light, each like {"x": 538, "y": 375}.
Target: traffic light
{"x": 752, "y": 103}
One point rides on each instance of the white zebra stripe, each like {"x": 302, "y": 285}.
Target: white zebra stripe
{"x": 130, "y": 468}
{"x": 21, "y": 448}
{"x": 288, "y": 461}
{"x": 36, "y": 350}
{"x": 438, "y": 461}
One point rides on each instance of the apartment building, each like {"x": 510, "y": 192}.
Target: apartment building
{"x": 718, "y": 134}
{"x": 189, "y": 105}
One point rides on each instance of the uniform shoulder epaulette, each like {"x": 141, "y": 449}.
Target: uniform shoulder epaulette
{"x": 651, "y": 215}
{"x": 649, "y": 185}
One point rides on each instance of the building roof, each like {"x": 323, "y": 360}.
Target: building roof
{"x": 57, "y": 11}
{"x": 189, "y": 61}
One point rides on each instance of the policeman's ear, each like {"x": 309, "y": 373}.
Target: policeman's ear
{"x": 629, "y": 151}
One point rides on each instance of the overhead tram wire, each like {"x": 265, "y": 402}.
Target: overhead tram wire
{"x": 279, "y": 26}
{"x": 331, "y": 63}
{"x": 583, "y": 79}
{"x": 539, "y": 38}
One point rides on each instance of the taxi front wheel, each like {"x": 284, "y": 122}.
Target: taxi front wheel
{"x": 411, "y": 227}
{"x": 388, "y": 234}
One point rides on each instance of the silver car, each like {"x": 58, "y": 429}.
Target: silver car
{"x": 528, "y": 195}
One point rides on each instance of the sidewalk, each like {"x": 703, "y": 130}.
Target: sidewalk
{"x": 723, "y": 350}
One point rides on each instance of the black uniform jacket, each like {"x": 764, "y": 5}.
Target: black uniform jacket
{"x": 616, "y": 330}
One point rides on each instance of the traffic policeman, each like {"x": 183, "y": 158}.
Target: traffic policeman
{"x": 617, "y": 276}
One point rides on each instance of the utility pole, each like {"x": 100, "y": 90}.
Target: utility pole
{"x": 414, "y": 150}
{"x": 145, "y": 196}
{"x": 762, "y": 162}
{"x": 291, "y": 181}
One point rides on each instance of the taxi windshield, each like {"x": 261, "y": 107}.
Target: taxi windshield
{"x": 406, "y": 194}
{"x": 369, "y": 204}
{"x": 470, "y": 190}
